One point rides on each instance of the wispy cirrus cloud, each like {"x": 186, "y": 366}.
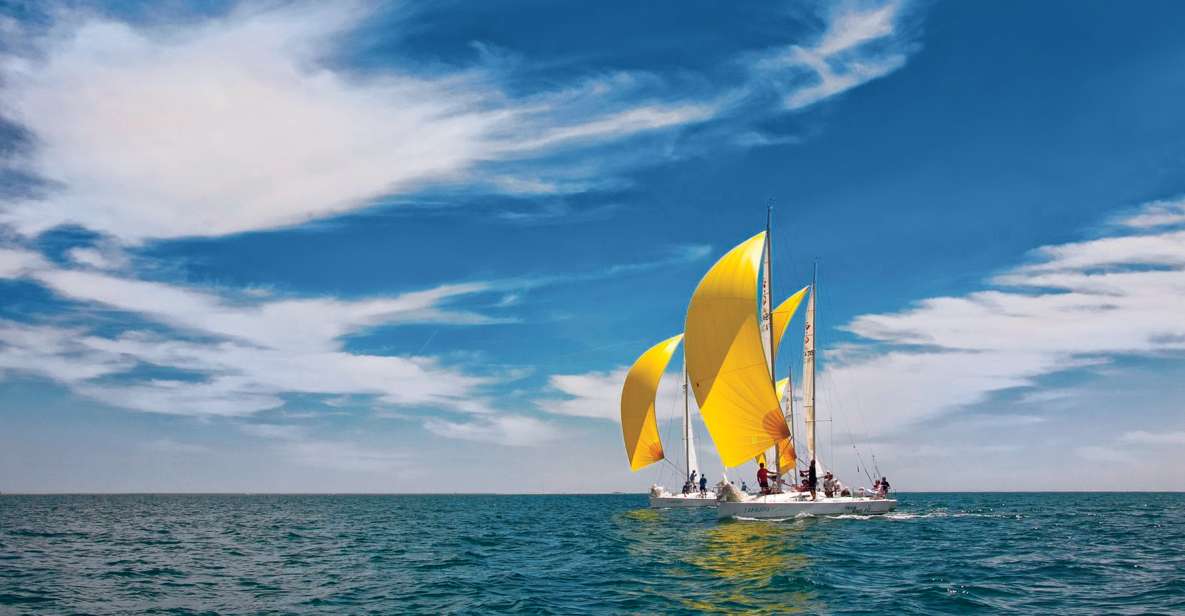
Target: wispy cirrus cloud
{"x": 597, "y": 395}
{"x": 298, "y": 445}
{"x": 860, "y": 43}
{"x": 238, "y": 123}
{"x": 15, "y": 262}
{"x": 509, "y": 430}
{"x": 1074, "y": 305}
{"x": 594, "y": 395}
{"x": 237, "y": 353}
{"x": 1154, "y": 438}
{"x": 208, "y": 127}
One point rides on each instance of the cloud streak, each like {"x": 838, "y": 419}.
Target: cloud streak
{"x": 235, "y": 124}
{"x": 1076, "y": 304}
{"x": 859, "y": 45}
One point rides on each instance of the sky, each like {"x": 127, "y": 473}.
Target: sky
{"x": 414, "y": 247}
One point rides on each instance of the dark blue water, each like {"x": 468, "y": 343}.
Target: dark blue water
{"x": 940, "y": 553}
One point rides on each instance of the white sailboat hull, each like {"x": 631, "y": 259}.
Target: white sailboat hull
{"x": 782, "y": 506}
{"x": 683, "y": 500}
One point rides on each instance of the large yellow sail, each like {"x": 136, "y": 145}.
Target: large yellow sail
{"x": 726, "y": 359}
{"x": 781, "y": 318}
{"x": 639, "y": 427}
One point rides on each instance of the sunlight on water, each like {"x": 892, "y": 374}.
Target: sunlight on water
{"x": 1049, "y": 553}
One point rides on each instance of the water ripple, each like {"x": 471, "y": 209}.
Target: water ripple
{"x": 939, "y": 553}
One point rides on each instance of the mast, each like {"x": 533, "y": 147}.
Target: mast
{"x": 767, "y": 320}
{"x": 808, "y": 370}
{"x": 687, "y": 445}
{"x": 767, "y": 329}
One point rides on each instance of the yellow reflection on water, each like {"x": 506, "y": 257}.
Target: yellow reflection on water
{"x": 746, "y": 557}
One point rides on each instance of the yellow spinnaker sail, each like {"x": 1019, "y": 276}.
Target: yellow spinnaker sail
{"x": 782, "y": 315}
{"x": 726, "y": 360}
{"x": 639, "y": 427}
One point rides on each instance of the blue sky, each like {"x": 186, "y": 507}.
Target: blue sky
{"x": 400, "y": 247}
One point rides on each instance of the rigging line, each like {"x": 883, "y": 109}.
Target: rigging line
{"x": 858, "y": 408}
{"x": 859, "y": 458}
{"x": 429, "y": 340}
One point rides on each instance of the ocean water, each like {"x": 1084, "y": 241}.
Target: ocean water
{"x": 938, "y": 554}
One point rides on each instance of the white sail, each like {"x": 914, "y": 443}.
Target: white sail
{"x": 789, "y": 467}
{"x": 767, "y": 335}
{"x": 767, "y": 339}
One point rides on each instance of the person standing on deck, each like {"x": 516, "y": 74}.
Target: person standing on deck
{"x": 763, "y": 478}
{"x": 703, "y": 485}
{"x": 812, "y": 479}
{"x": 692, "y": 479}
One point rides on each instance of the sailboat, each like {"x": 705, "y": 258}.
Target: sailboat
{"x": 639, "y": 425}
{"x": 731, "y": 342}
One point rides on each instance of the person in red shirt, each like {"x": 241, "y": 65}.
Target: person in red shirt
{"x": 763, "y": 478}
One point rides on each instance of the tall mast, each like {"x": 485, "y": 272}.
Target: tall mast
{"x": 687, "y": 445}
{"x": 767, "y": 320}
{"x": 808, "y": 369}
{"x": 767, "y": 330}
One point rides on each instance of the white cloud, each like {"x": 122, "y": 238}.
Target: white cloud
{"x": 168, "y": 445}
{"x": 220, "y": 126}
{"x": 1158, "y": 214}
{"x": 859, "y": 45}
{"x": 266, "y": 323}
{"x": 1076, "y": 305}
{"x": 102, "y": 258}
{"x": 297, "y": 445}
{"x": 245, "y": 353}
{"x": 1107, "y": 455}
{"x": 512, "y": 430}
{"x": 1154, "y": 438}
{"x": 16, "y": 262}
{"x": 237, "y": 124}
{"x": 54, "y": 353}
{"x": 597, "y": 395}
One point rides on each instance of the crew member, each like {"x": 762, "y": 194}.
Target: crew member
{"x": 828, "y": 485}
{"x": 763, "y": 478}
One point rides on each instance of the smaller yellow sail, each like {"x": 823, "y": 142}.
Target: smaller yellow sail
{"x": 786, "y": 453}
{"x": 639, "y": 427}
{"x": 781, "y": 387}
{"x": 782, "y": 316}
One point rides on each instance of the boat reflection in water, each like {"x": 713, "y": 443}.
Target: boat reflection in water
{"x": 751, "y": 568}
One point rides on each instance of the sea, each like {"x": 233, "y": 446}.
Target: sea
{"x": 1056, "y": 553}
